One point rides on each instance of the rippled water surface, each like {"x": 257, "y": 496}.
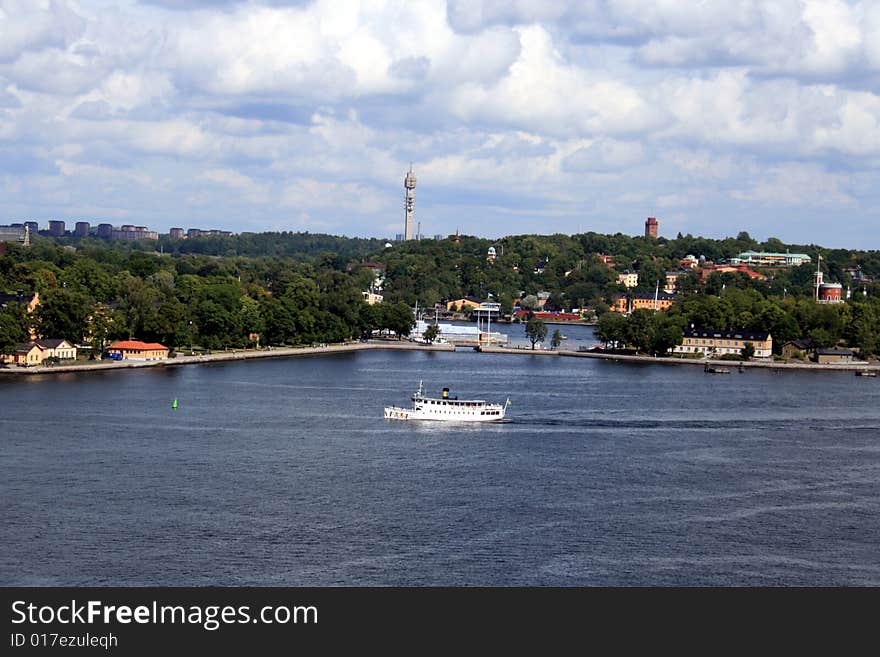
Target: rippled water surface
{"x": 283, "y": 472}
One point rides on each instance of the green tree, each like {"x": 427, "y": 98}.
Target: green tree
{"x": 12, "y": 331}
{"x": 62, "y": 313}
{"x": 650, "y": 274}
{"x": 280, "y": 320}
{"x": 667, "y": 336}
{"x": 747, "y": 351}
{"x": 307, "y": 323}
{"x": 137, "y": 303}
{"x": 687, "y": 284}
{"x": 397, "y": 317}
{"x": 611, "y": 328}
{"x": 250, "y": 318}
{"x": 89, "y": 278}
{"x": 217, "y": 326}
{"x": 168, "y": 324}
{"x": 301, "y": 291}
{"x": 162, "y": 280}
{"x": 641, "y": 328}
{"x": 556, "y": 339}
{"x": 777, "y": 322}
{"x": 332, "y": 328}
{"x": 555, "y": 302}
{"x": 431, "y": 333}
{"x": 105, "y": 325}
{"x": 369, "y": 319}
{"x": 143, "y": 264}
{"x": 529, "y": 302}
{"x": 536, "y": 330}
{"x": 863, "y": 331}
{"x": 506, "y": 301}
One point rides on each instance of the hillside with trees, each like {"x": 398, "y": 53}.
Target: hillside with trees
{"x": 301, "y": 288}
{"x": 100, "y": 292}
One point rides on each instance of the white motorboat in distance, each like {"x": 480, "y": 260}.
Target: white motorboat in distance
{"x": 447, "y": 409}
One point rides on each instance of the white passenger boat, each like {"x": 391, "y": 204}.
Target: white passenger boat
{"x": 460, "y": 335}
{"x": 447, "y": 409}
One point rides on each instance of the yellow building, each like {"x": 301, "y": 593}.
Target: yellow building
{"x": 628, "y": 279}
{"x": 30, "y": 354}
{"x": 834, "y": 356}
{"x": 372, "y": 297}
{"x": 719, "y": 343}
{"x": 137, "y": 350}
{"x": 27, "y": 354}
{"x": 620, "y": 304}
{"x": 465, "y": 303}
{"x": 651, "y": 301}
{"x": 60, "y": 349}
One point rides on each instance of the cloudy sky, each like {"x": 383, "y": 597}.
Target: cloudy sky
{"x": 715, "y": 116}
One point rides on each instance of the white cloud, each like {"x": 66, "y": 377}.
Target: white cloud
{"x": 836, "y": 35}
{"x": 52, "y": 71}
{"x": 129, "y": 90}
{"x": 855, "y": 128}
{"x": 510, "y": 110}
{"x": 257, "y": 51}
{"x": 476, "y": 15}
{"x": 323, "y": 194}
{"x": 685, "y": 198}
{"x": 702, "y": 163}
{"x": 72, "y": 169}
{"x": 176, "y": 137}
{"x": 8, "y": 99}
{"x": 798, "y": 185}
{"x": 543, "y": 92}
{"x": 603, "y": 154}
{"x": 32, "y": 26}
{"x": 237, "y": 182}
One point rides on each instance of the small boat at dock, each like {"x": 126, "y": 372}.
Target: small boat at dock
{"x": 866, "y": 373}
{"x": 713, "y": 369}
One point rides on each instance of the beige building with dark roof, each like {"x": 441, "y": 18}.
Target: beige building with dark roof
{"x": 720, "y": 343}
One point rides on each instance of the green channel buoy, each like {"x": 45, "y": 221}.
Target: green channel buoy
{"x": 174, "y": 404}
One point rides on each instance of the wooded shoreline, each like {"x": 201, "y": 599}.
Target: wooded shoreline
{"x": 222, "y": 356}
{"x": 288, "y": 352}
{"x": 824, "y": 367}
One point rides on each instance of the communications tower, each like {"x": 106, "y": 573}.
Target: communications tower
{"x": 410, "y": 184}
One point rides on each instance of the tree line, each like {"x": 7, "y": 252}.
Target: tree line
{"x": 300, "y": 288}
{"x": 99, "y": 293}
{"x": 734, "y": 301}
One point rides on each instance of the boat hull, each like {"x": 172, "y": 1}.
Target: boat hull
{"x": 398, "y": 413}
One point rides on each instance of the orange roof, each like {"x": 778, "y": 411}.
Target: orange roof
{"x": 136, "y": 344}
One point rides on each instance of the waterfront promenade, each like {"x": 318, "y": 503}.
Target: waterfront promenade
{"x": 852, "y": 367}
{"x": 221, "y": 356}
{"x": 288, "y": 352}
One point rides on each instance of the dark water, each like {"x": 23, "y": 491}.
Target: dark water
{"x": 283, "y": 472}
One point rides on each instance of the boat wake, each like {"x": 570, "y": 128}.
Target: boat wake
{"x": 720, "y": 424}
